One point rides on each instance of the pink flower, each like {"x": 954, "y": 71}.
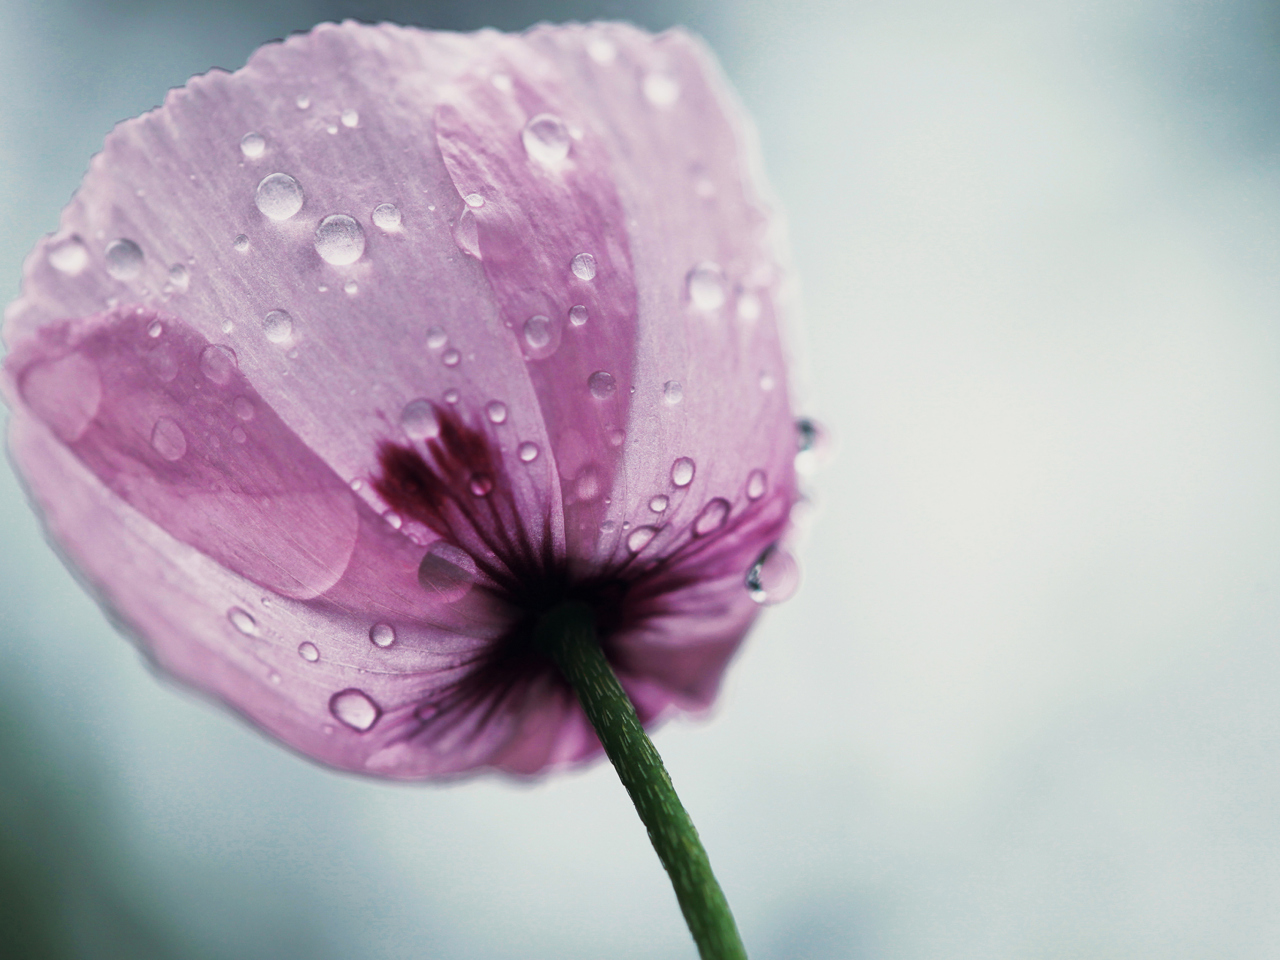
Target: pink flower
{"x": 343, "y": 367}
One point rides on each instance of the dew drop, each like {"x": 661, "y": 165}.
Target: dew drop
{"x": 672, "y": 392}
{"x": 451, "y": 395}
{"x": 393, "y": 520}
{"x": 303, "y": 101}
{"x": 252, "y": 145}
{"x": 331, "y": 128}
{"x": 340, "y": 239}
{"x": 661, "y": 89}
{"x": 279, "y": 196}
{"x": 583, "y": 266}
{"x": 587, "y": 484}
{"x": 682, "y": 472}
{"x": 419, "y": 420}
{"x": 242, "y": 407}
{"x": 767, "y": 383}
{"x": 602, "y": 51}
{"x": 354, "y": 708}
{"x": 481, "y": 484}
{"x": 451, "y": 358}
{"x": 124, "y": 259}
{"x": 238, "y": 435}
{"x": 179, "y": 277}
{"x": 608, "y": 526}
{"x": 350, "y": 117}
{"x": 308, "y": 652}
{"x": 537, "y": 332}
{"x": 242, "y": 621}
{"x": 757, "y": 483}
{"x": 382, "y": 635}
{"x": 274, "y": 677}
{"x": 602, "y": 384}
{"x": 351, "y": 288}
{"x": 168, "y": 439}
{"x": 154, "y": 329}
{"x": 218, "y": 363}
{"x": 277, "y": 326}
{"x": 436, "y": 338}
{"x": 706, "y": 287}
{"x": 473, "y": 200}
{"x": 68, "y": 256}
{"x": 241, "y": 243}
{"x": 496, "y": 410}
{"x": 658, "y": 504}
{"x": 640, "y": 537}
{"x": 528, "y": 452}
{"x": 546, "y": 139}
{"x": 386, "y": 216}
{"x": 774, "y": 577}
{"x": 446, "y": 572}
{"x": 748, "y": 307}
{"x": 578, "y": 315}
{"x": 712, "y": 517}
{"x": 227, "y": 326}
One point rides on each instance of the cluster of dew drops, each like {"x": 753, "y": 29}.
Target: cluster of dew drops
{"x": 340, "y": 240}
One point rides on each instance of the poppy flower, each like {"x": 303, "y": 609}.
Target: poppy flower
{"x": 344, "y": 368}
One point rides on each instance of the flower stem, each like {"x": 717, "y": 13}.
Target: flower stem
{"x": 567, "y": 635}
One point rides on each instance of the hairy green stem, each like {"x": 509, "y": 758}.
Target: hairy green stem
{"x": 567, "y": 635}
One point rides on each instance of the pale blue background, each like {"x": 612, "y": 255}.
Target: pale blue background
{"x": 1027, "y": 704}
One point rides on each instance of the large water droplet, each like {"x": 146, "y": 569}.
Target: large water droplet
{"x": 354, "y": 708}
{"x": 578, "y": 315}
{"x": 706, "y": 287}
{"x": 252, "y": 145}
{"x": 308, "y": 651}
{"x": 242, "y": 621}
{"x": 124, "y": 259}
{"x": 419, "y": 420}
{"x": 473, "y": 200}
{"x": 672, "y": 392}
{"x": 682, "y": 472}
{"x": 661, "y": 89}
{"x": 154, "y": 329}
{"x": 386, "y": 216}
{"x": 528, "y": 452}
{"x": 68, "y": 256}
{"x": 436, "y": 338}
{"x": 774, "y": 577}
{"x": 350, "y": 117}
{"x": 168, "y": 439}
{"x": 218, "y": 363}
{"x": 382, "y": 635}
{"x": 537, "y": 332}
{"x": 546, "y": 139}
{"x": 277, "y": 326}
{"x": 340, "y": 239}
{"x": 451, "y": 358}
{"x": 640, "y": 537}
{"x": 481, "y": 484}
{"x": 583, "y": 266}
{"x": 446, "y": 572}
{"x": 467, "y": 234}
{"x": 712, "y": 517}
{"x": 179, "y": 277}
{"x": 496, "y": 411}
{"x": 602, "y": 384}
{"x": 658, "y": 503}
{"x": 279, "y": 196}
{"x": 757, "y": 483}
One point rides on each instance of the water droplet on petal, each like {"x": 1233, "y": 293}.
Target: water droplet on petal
{"x": 528, "y": 452}
{"x": 242, "y": 621}
{"x": 238, "y": 435}
{"x": 308, "y": 652}
{"x": 446, "y": 572}
{"x": 467, "y": 234}
{"x": 640, "y": 537}
{"x": 546, "y": 139}
{"x": 274, "y": 677}
{"x": 602, "y": 384}
{"x": 712, "y": 517}
{"x": 241, "y": 243}
{"x": 168, "y": 439}
{"x": 242, "y": 407}
{"x": 578, "y": 315}
{"x": 672, "y": 392}
{"x": 706, "y": 287}
{"x": 124, "y": 259}
{"x": 481, "y": 484}
{"x": 658, "y": 504}
{"x": 303, "y": 101}
{"x": 767, "y": 382}
{"x": 661, "y": 89}
{"x": 496, "y": 410}
{"x": 386, "y": 216}
{"x": 451, "y": 358}
{"x": 350, "y": 117}
{"x": 602, "y": 51}
{"x": 279, "y": 196}
{"x": 355, "y": 709}
{"x": 340, "y": 239}
{"x": 682, "y": 472}
{"x": 587, "y": 484}
{"x": 502, "y": 82}
{"x": 583, "y": 266}
{"x": 774, "y": 577}
{"x": 748, "y": 307}
{"x": 451, "y": 395}
{"x": 252, "y": 145}
{"x": 68, "y": 256}
{"x": 154, "y": 329}
{"x": 436, "y": 338}
{"x": 537, "y": 332}
{"x": 277, "y": 326}
{"x": 179, "y": 277}
{"x": 218, "y": 363}
{"x": 811, "y": 440}
{"x": 419, "y": 420}
{"x": 393, "y": 520}
{"x": 382, "y": 635}
{"x": 757, "y": 483}
{"x": 473, "y": 200}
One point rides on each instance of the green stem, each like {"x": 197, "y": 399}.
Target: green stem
{"x": 567, "y": 635}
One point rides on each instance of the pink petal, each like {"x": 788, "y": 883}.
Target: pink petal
{"x": 278, "y": 306}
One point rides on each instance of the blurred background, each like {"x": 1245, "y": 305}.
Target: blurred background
{"x": 1027, "y": 703}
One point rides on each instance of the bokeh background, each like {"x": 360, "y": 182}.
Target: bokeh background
{"x": 1027, "y": 704}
